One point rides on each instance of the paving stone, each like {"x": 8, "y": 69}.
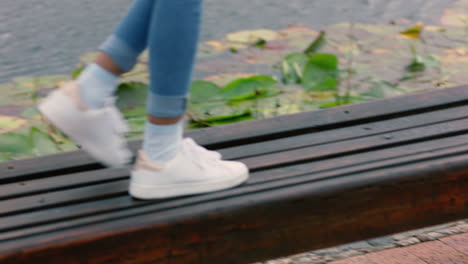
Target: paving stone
{"x": 379, "y": 248}
{"x": 400, "y": 236}
{"x": 327, "y": 251}
{"x": 408, "y": 242}
{"x": 425, "y": 237}
{"x": 355, "y": 245}
{"x": 447, "y": 232}
{"x": 328, "y": 258}
{"x": 348, "y": 254}
{"x": 305, "y": 260}
{"x": 279, "y": 261}
{"x": 381, "y": 241}
{"x": 355, "y": 260}
{"x": 463, "y": 228}
{"x": 435, "y": 235}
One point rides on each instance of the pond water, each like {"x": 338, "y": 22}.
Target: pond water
{"x": 47, "y": 36}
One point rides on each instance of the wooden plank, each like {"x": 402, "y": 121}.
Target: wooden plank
{"x": 93, "y": 192}
{"x": 217, "y": 230}
{"x": 458, "y": 242}
{"x": 347, "y": 133}
{"x": 418, "y": 134}
{"x": 259, "y": 130}
{"x": 436, "y": 252}
{"x": 314, "y": 171}
{"x": 56, "y": 183}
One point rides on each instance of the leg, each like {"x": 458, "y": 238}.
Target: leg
{"x": 172, "y": 44}
{"x": 129, "y": 39}
{"x": 168, "y": 166}
{"x": 173, "y": 40}
{"x": 84, "y": 110}
{"x": 118, "y": 54}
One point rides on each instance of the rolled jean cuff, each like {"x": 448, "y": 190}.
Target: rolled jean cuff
{"x": 166, "y": 106}
{"x": 122, "y": 55}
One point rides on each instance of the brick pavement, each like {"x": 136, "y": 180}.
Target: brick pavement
{"x": 448, "y": 250}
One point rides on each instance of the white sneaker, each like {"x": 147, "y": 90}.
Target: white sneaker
{"x": 100, "y": 132}
{"x": 193, "y": 170}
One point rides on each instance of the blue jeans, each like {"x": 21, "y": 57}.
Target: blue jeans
{"x": 170, "y": 29}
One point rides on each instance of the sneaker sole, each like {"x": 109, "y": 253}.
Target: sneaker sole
{"x": 147, "y": 192}
{"x": 51, "y": 111}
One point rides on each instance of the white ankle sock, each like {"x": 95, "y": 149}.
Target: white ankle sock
{"x": 96, "y": 85}
{"x": 162, "y": 142}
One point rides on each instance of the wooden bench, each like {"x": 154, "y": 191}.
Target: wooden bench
{"x": 318, "y": 179}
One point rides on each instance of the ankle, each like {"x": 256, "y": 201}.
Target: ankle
{"x": 96, "y": 85}
{"x": 106, "y": 62}
{"x": 162, "y": 142}
{"x": 164, "y": 120}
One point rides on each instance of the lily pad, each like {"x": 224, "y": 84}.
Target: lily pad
{"x": 10, "y": 123}
{"x": 41, "y": 143}
{"x": 131, "y": 95}
{"x": 15, "y": 145}
{"x": 252, "y": 36}
{"x": 233, "y": 117}
{"x": 203, "y": 91}
{"x": 292, "y": 67}
{"x": 248, "y": 88}
{"x": 321, "y": 73}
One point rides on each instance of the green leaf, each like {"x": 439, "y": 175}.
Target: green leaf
{"x": 135, "y": 112}
{"x": 330, "y": 104}
{"x": 248, "y": 88}
{"x": 5, "y": 158}
{"x": 233, "y": 117}
{"x": 383, "y": 89}
{"x": 30, "y": 112}
{"x": 321, "y": 73}
{"x": 41, "y": 143}
{"x": 413, "y": 32}
{"x": 292, "y": 67}
{"x": 13, "y": 144}
{"x": 131, "y": 95}
{"x": 429, "y": 61}
{"x": 261, "y": 43}
{"x": 76, "y": 72}
{"x": 203, "y": 91}
{"x": 317, "y": 44}
{"x": 417, "y": 65}
{"x": 137, "y": 124}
